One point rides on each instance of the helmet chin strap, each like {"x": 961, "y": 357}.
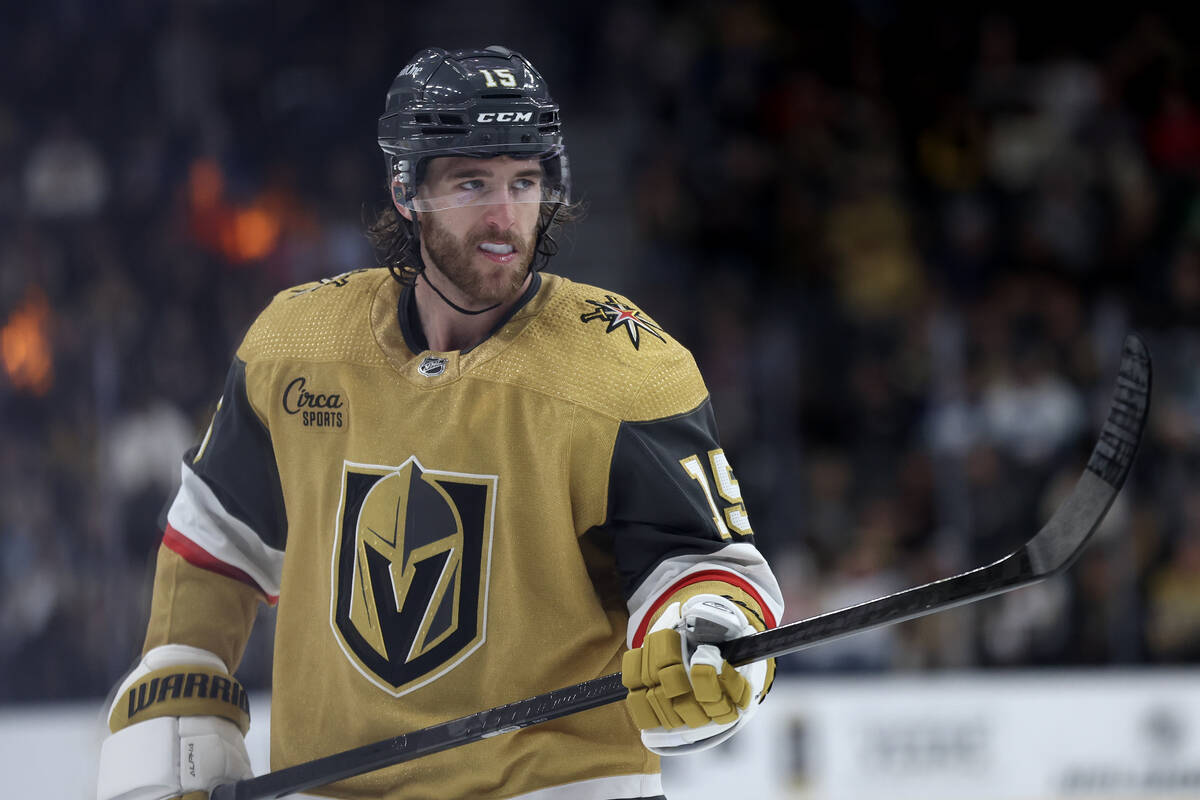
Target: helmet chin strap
{"x": 450, "y": 302}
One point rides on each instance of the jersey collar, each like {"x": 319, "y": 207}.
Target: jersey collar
{"x": 410, "y": 319}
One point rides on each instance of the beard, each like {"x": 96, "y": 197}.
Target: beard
{"x": 453, "y": 257}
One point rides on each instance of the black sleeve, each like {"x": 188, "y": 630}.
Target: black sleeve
{"x": 657, "y": 510}
{"x": 236, "y": 461}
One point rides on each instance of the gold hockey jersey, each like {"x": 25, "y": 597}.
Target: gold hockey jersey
{"x": 445, "y": 532}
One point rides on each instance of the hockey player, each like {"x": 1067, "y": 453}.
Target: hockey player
{"x": 463, "y": 482}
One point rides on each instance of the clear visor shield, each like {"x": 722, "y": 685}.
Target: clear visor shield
{"x": 455, "y": 181}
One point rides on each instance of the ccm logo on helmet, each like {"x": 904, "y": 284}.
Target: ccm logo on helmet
{"x": 505, "y": 116}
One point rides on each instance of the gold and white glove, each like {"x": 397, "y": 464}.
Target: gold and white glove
{"x": 178, "y": 725}
{"x": 682, "y": 694}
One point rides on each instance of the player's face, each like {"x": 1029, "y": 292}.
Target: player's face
{"x": 484, "y": 249}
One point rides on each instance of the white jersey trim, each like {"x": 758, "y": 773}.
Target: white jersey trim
{"x": 740, "y": 559}
{"x": 198, "y": 515}
{"x": 617, "y": 786}
{"x": 600, "y": 789}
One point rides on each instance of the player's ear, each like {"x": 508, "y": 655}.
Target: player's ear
{"x": 398, "y": 199}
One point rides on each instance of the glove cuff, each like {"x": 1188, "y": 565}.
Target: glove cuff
{"x": 179, "y": 681}
{"x": 182, "y": 692}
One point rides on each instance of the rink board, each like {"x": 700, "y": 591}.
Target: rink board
{"x": 1022, "y": 736}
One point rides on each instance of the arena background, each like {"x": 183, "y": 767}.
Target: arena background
{"x": 903, "y": 241}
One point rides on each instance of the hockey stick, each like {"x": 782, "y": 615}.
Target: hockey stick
{"x": 1050, "y": 551}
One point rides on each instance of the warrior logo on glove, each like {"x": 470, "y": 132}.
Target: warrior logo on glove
{"x": 410, "y": 571}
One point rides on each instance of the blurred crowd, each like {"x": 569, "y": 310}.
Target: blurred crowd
{"x": 904, "y": 247}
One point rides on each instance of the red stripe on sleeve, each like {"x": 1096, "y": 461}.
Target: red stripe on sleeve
{"x": 732, "y": 578}
{"x": 197, "y": 556}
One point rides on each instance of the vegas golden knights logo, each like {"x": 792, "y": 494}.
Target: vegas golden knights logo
{"x": 410, "y": 566}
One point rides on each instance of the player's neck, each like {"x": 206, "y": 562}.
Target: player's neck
{"x": 445, "y": 328}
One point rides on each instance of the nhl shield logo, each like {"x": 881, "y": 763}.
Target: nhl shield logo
{"x": 410, "y": 571}
{"x": 432, "y": 366}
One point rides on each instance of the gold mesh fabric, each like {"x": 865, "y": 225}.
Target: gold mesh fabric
{"x": 558, "y": 354}
{"x": 188, "y": 598}
{"x": 325, "y": 320}
{"x": 585, "y": 363}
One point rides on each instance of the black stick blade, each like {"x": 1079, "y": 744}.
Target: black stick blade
{"x": 1113, "y": 454}
{"x": 1060, "y": 542}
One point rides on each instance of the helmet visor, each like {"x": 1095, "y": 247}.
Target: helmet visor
{"x": 469, "y": 179}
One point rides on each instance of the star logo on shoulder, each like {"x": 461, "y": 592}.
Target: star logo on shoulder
{"x": 619, "y": 315}
{"x": 336, "y": 280}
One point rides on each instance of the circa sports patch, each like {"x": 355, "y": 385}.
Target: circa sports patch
{"x": 410, "y": 570}
{"x": 621, "y": 315}
{"x": 316, "y": 407}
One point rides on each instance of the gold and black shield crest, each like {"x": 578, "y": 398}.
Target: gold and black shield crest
{"x": 410, "y": 571}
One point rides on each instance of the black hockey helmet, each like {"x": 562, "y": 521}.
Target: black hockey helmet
{"x": 478, "y": 103}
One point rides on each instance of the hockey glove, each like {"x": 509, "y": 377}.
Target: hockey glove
{"x": 682, "y": 694}
{"x": 177, "y": 723}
